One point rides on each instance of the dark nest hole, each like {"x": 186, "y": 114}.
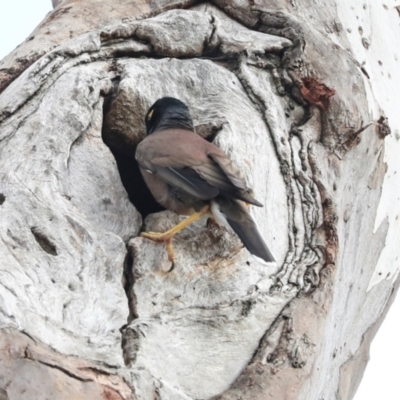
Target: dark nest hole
{"x": 123, "y": 151}
{"x": 131, "y": 177}
{"x": 139, "y": 194}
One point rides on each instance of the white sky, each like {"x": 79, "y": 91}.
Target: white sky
{"x": 18, "y": 18}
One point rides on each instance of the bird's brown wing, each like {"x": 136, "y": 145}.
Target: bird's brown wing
{"x": 171, "y": 155}
{"x": 230, "y": 170}
{"x": 186, "y": 179}
{"x": 222, "y": 172}
{"x": 188, "y": 162}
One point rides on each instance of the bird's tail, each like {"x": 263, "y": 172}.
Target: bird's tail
{"x": 242, "y": 223}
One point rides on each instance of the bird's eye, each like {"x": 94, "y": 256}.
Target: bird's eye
{"x": 150, "y": 114}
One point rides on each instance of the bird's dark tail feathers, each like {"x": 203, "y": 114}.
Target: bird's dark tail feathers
{"x": 252, "y": 239}
{"x": 244, "y": 226}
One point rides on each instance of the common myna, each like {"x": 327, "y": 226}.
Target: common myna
{"x": 190, "y": 176}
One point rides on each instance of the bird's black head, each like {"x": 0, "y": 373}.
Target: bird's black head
{"x": 167, "y": 113}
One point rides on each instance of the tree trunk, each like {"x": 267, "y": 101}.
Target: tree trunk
{"x": 90, "y": 310}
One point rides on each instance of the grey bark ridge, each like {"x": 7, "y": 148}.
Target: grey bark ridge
{"x": 221, "y": 324}
{"x": 71, "y": 19}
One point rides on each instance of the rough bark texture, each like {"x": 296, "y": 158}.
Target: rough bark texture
{"x": 94, "y": 310}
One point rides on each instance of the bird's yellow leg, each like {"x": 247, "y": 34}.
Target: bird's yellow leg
{"x": 168, "y": 235}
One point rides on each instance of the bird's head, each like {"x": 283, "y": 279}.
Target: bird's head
{"x": 168, "y": 113}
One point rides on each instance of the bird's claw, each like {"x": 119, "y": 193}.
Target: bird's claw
{"x": 162, "y": 237}
{"x": 171, "y": 254}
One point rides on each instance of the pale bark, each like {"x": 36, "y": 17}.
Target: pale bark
{"x": 89, "y": 307}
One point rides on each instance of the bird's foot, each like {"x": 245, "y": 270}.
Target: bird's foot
{"x": 168, "y": 235}
{"x": 162, "y": 237}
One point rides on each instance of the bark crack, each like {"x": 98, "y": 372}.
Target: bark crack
{"x": 29, "y": 356}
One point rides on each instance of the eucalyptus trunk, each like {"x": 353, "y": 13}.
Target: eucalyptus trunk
{"x": 299, "y": 97}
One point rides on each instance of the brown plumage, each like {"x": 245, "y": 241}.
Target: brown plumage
{"x": 190, "y": 176}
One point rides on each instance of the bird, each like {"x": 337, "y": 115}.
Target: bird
{"x": 191, "y": 176}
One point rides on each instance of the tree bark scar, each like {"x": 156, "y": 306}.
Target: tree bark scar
{"x": 316, "y": 93}
{"x": 44, "y": 241}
